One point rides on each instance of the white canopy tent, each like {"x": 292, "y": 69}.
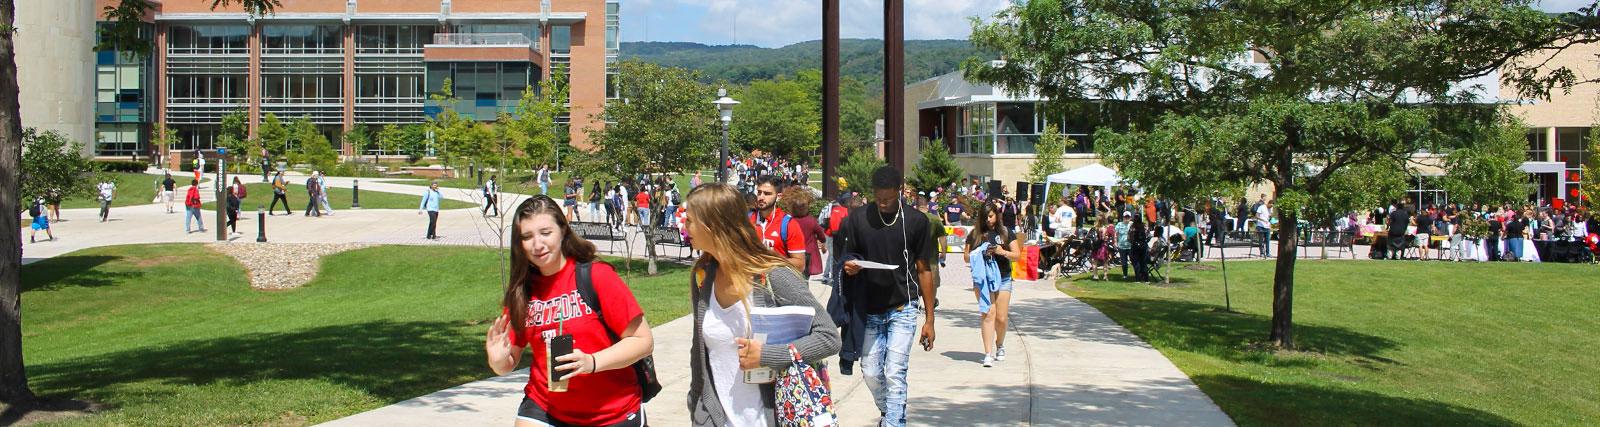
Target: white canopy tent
{"x": 1094, "y": 175}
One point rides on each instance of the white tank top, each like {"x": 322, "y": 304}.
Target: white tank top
{"x": 740, "y": 401}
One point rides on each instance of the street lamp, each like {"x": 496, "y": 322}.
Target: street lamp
{"x": 725, "y": 106}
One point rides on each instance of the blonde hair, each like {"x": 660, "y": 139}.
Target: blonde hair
{"x": 721, "y": 227}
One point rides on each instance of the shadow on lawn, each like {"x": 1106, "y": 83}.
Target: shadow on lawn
{"x": 390, "y": 360}
{"x": 73, "y": 271}
{"x": 1255, "y": 402}
{"x": 1205, "y": 329}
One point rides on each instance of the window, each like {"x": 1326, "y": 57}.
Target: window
{"x": 977, "y": 129}
{"x": 393, "y": 39}
{"x": 1537, "y": 151}
{"x": 612, "y": 26}
{"x": 206, "y": 88}
{"x": 560, "y": 40}
{"x": 483, "y": 88}
{"x": 302, "y": 39}
{"x": 117, "y": 139}
{"x": 208, "y": 39}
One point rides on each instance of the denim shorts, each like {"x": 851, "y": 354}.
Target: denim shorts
{"x": 1006, "y": 285}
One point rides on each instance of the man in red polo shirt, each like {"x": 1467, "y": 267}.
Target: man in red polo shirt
{"x": 770, "y": 221}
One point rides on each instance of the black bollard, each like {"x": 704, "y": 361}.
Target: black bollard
{"x": 261, "y": 225}
{"x": 355, "y": 195}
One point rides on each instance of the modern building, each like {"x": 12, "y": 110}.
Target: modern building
{"x": 55, "y": 63}
{"x": 352, "y": 63}
{"x": 992, "y": 134}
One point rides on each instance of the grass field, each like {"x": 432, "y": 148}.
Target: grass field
{"x": 173, "y": 334}
{"x": 132, "y": 189}
{"x": 261, "y": 193}
{"x": 1380, "y": 343}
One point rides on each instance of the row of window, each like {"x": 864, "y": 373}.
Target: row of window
{"x": 303, "y": 39}
{"x": 329, "y": 39}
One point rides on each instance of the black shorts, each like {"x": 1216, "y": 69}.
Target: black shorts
{"x": 530, "y": 411}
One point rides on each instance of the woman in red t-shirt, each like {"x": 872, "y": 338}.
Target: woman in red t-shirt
{"x": 542, "y": 298}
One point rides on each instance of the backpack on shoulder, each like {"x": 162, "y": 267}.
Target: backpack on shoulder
{"x": 645, "y": 369}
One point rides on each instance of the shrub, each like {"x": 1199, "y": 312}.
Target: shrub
{"x": 121, "y": 166}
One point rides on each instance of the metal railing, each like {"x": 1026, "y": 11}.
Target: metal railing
{"x": 481, "y": 39}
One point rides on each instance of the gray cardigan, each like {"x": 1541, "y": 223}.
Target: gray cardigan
{"x": 789, "y": 289}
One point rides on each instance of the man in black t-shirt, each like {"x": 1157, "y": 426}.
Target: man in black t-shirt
{"x": 883, "y": 305}
{"x": 1514, "y": 235}
{"x": 1399, "y": 219}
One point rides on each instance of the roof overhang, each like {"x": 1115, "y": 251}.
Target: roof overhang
{"x": 1543, "y": 167}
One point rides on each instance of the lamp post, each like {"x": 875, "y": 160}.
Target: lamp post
{"x": 222, "y": 197}
{"x": 724, "y": 106}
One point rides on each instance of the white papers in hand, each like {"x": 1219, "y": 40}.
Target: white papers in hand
{"x": 874, "y": 265}
{"x": 782, "y": 325}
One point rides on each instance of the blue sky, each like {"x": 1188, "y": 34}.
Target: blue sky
{"x": 776, "y": 23}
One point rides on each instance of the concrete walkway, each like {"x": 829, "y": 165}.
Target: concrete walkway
{"x": 1068, "y": 364}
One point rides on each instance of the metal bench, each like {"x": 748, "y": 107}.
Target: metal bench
{"x": 597, "y": 231}
{"x": 672, "y": 237}
{"x": 1239, "y": 239}
{"x": 1344, "y": 241}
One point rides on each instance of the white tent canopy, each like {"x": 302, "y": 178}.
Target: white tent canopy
{"x": 1094, "y": 174}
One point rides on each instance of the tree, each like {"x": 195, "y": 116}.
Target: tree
{"x": 777, "y": 116}
{"x": 51, "y": 161}
{"x": 161, "y": 138}
{"x": 314, "y": 147}
{"x": 665, "y": 123}
{"x": 856, "y": 172}
{"x": 935, "y": 167}
{"x": 233, "y": 136}
{"x": 451, "y": 130}
{"x": 1589, "y": 178}
{"x": 1051, "y": 148}
{"x": 13, "y": 378}
{"x": 358, "y": 139}
{"x": 274, "y": 135}
{"x": 1285, "y": 93}
{"x": 532, "y": 125}
{"x": 1485, "y": 170}
{"x": 856, "y": 115}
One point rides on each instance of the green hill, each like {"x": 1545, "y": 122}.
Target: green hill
{"x": 858, "y": 59}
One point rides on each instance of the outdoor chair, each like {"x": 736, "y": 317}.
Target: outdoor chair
{"x": 594, "y": 231}
{"x": 673, "y": 237}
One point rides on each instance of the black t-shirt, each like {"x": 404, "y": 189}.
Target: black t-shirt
{"x": 952, "y": 213}
{"x": 167, "y": 184}
{"x": 1398, "y": 220}
{"x": 865, "y": 233}
{"x": 1424, "y": 223}
{"x": 1494, "y": 228}
{"x": 1002, "y": 239}
{"x": 1514, "y": 229}
{"x": 1008, "y": 215}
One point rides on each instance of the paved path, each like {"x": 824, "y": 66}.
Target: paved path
{"x": 1068, "y": 364}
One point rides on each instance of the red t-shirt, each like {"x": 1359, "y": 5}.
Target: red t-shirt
{"x": 642, "y": 199}
{"x": 836, "y": 217}
{"x": 595, "y": 399}
{"x": 770, "y": 235}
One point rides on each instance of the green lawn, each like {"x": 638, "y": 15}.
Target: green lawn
{"x": 1380, "y": 343}
{"x": 132, "y": 189}
{"x": 261, "y": 193}
{"x": 173, "y": 335}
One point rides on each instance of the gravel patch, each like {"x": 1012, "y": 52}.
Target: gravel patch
{"x": 279, "y": 266}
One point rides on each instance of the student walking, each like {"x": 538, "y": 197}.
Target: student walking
{"x": 166, "y": 190}
{"x": 191, "y": 205}
{"x": 560, "y": 294}
{"x": 41, "y": 220}
{"x": 491, "y": 197}
{"x": 430, "y": 204}
{"x": 739, "y": 274}
{"x": 595, "y": 194}
{"x": 879, "y": 310}
{"x": 313, "y": 193}
{"x": 280, "y": 191}
{"x": 236, "y": 195}
{"x": 322, "y": 192}
{"x": 107, "y": 191}
{"x": 996, "y": 246}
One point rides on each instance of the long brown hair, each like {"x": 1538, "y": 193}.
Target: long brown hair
{"x": 573, "y": 247}
{"x": 718, "y": 216}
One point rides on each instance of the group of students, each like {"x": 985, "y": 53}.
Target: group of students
{"x": 1407, "y": 226}
{"x": 561, "y": 301}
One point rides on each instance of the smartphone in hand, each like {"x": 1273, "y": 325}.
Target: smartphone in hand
{"x": 560, "y": 345}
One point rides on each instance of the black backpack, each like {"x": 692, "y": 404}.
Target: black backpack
{"x": 645, "y": 369}
{"x": 34, "y": 210}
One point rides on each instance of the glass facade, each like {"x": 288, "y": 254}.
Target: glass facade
{"x": 529, "y": 30}
{"x": 393, "y": 39}
{"x": 1015, "y": 127}
{"x": 1572, "y": 151}
{"x": 483, "y": 89}
{"x": 302, "y": 39}
{"x": 208, "y": 39}
{"x": 121, "y": 87}
{"x": 560, "y": 40}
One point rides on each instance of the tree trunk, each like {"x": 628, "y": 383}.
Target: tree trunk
{"x": 13, "y": 379}
{"x": 649, "y": 242}
{"x": 1283, "y": 280}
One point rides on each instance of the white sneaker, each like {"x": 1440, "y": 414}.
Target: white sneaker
{"x": 988, "y": 361}
{"x": 1000, "y": 353}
